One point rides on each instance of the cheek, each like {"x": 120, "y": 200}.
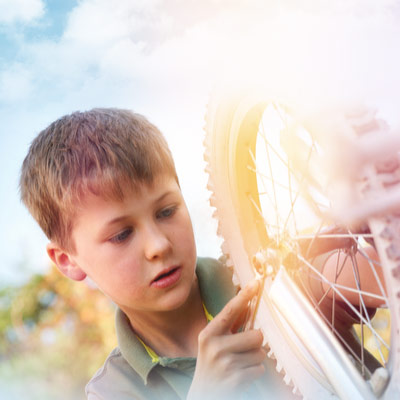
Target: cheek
{"x": 185, "y": 238}
{"x": 125, "y": 282}
{"x": 186, "y": 223}
{"x": 128, "y": 272}
{"x": 116, "y": 269}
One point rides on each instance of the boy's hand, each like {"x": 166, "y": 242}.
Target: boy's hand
{"x": 226, "y": 358}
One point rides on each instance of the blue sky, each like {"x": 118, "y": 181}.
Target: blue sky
{"x": 163, "y": 58}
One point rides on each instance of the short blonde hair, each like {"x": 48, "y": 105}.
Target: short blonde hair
{"x": 101, "y": 151}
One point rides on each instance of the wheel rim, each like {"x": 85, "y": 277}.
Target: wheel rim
{"x": 245, "y": 177}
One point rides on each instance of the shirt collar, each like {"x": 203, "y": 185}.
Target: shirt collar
{"x": 132, "y": 350}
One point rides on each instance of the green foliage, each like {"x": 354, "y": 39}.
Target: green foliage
{"x": 57, "y": 326}
{"x": 6, "y": 298}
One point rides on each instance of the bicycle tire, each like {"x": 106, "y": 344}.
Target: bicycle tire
{"x": 232, "y": 124}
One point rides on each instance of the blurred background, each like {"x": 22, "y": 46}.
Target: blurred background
{"x": 161, "y": 58}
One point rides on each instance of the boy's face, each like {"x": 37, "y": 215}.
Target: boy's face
{"x": 139, "y": 251}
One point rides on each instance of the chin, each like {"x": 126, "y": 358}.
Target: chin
{"x": 177, "y": 300}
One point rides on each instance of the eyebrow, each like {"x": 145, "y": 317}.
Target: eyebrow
{"x": 123, "y": 217}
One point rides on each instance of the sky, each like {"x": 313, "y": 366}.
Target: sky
{"x": 164, "y": 59}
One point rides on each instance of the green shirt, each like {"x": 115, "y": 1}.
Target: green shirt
{"x": 130, "y": 372}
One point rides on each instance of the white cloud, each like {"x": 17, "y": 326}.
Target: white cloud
{"x": 15, "y": 84}
{"x": 308, "y": 48}
{"x": 25, "y": 11}
{"x": 101, "y": 22}
{"x": 301, "y": 47}
{"x": 161, "y": 57}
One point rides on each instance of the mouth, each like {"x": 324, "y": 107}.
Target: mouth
{"x": 166, "y": 278}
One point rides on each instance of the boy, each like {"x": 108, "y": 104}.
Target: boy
{"x": 103, "y": 187}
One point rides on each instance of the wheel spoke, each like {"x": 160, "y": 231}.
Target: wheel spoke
{"x": 268, "y": 145}
{"x": 261, "y": 214}
{"x": 292, "y": 201}
{"x": 337, "y": 290}
{"x": 276, "y": 178}
{"x": 339, "y": 293}
{"x": 272, "y": 180}
{"x": 334, "y": 330}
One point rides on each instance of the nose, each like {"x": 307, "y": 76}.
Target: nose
{"x": 156, "y": 242}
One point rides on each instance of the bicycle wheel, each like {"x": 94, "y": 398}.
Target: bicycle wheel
{"x": 264, "y": 205}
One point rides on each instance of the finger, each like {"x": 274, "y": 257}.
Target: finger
{"x": 243, "y": 341}
{"x": 243, "y": 317}
{"x": 250, "y": 358}
{"x": 249, "y": 374}
{"x": 233, "y": 310}
{"x": 245, "y": 376}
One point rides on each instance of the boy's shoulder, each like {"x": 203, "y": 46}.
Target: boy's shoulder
{"x": 215, "y": 283}
{"x": 117, "y": 379}
{"x": 208, "y": 268}
{"x": 113, "y": 370}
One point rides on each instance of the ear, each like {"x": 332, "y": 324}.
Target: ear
{"x": 65, "y": 262}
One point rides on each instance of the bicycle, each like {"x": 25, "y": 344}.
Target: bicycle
{"x": 275, "y": 208}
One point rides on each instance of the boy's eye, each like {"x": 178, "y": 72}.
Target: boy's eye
{"x": 122, "y": 236}
{"x": 167, "y": 212}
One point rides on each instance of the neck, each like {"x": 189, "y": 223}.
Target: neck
{"x": 173, "y": 333}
